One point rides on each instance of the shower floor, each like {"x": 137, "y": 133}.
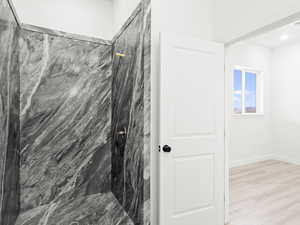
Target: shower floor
{"x": 96, "y": 209}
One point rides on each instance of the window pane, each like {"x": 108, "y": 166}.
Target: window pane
{"x": 250, "y": 92}
{"x": 237, "y": 96}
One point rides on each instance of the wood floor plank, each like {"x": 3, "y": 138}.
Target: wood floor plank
{"x": 265, "y": 193}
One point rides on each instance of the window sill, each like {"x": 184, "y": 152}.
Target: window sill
{"x": 248, "y": 115}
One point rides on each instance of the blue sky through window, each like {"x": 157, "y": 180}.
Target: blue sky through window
{"x": 250, "y": 92}
{"x": 250, "y": 98}
{"x": 237, "y": 98}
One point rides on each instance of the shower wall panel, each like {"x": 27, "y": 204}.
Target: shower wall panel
{"x": 9, "y": 116}
{"x": 131, "y": 116}
{"x": 61, "y": 154}
{"x": 65, "y": 110}
{"x": 146, "y": 62}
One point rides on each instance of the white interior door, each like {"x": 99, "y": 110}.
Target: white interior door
{"x": 192, "y": 125}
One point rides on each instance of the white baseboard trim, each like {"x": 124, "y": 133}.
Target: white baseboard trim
{"x": 251, "y": 160}
{"x": 263, "y": 158}
{"x": 287, "y": 159}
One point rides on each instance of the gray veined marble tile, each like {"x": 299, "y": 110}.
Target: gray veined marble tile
{"x": 63, "y": 100}
{"x": 65, "y": 132}
{"x": 127, "y": 93}
{"x": 147, "y": 107}
{"x": 65, "y": 119}
{"x": 102, "y": 209}
{"x": 131, "y": 113}
{"x": 58, "y": 33}
{"x": 9, "y": 116}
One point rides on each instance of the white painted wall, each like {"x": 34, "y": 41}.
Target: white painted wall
{"x": 95, "y": 18}
{"x": 276, "y": 134}
{"x": 235, "y": 18}
{"x": 122, "y": 9}
{"x": 189, "y": 17}
{"x": 249, "y": 137}
{"x": 285, "y": 103}
{"x": 86, "y": 17}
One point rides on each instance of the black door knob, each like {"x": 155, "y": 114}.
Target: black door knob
{"x": 167, "y": 148}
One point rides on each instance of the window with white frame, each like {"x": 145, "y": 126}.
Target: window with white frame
{"x": 247, "y": 91}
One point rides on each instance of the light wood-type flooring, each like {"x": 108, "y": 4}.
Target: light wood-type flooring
{"x": 265, "y": 193}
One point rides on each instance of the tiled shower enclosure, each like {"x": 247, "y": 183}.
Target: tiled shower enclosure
{"x": 74, "y": 124}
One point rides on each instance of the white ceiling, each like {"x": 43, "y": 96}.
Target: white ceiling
{"x": 273, "y": 39}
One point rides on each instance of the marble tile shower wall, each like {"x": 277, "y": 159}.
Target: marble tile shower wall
{"x": 131, "y": 116}
{"x": 58, "y": 156}
{"x": 9, "y": 116}
{"x": 65, "y": 158}
{"x": 147, "y": 109}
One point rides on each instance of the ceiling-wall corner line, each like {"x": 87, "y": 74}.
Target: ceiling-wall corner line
{"x": 14, "y": 11}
